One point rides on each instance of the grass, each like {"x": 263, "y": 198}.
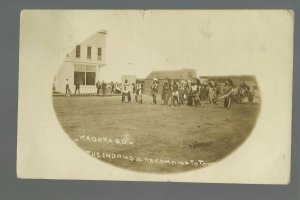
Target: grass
{"x": 157, "y": 132}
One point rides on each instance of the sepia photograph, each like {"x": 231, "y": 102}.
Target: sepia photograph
{"x": 168, "y": 121}
{"x": 152, "y": 95}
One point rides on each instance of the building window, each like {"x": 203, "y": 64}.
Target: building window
{"x": 79, "y": 74}
{"x": 78, "y": 51}
{"x": 89, "y": 52}
{"x": 90, "y": 78}
{"x": 85, "y": 74}
{"x": 79, "y": 77}
{"x": 99, "y": 54}
{"x": 90, "y": 75}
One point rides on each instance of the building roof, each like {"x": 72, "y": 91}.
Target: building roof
{"x": 175, "y": 74}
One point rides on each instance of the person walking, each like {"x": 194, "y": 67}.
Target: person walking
{"x": 68, "y": 91}
{"x": 112, "y": 85}
{"x": 77, "y": 86}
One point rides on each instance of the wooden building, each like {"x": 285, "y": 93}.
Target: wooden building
{"x": 83, "y": 64}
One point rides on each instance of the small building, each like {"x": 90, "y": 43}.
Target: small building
{"x": 83, "y": 64}
{"x": 183, "y": 74}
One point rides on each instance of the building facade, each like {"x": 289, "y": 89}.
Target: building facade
{"x": 83, "y": 64}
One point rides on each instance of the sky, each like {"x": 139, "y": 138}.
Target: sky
{"x": 211, "y": 42}
{"x": 141, "y": 42}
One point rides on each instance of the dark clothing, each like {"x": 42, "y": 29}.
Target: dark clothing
{"x": 77, "y": 87}
{"x": 154, "y": 90}
{"x": 227, "y": 102}
{"x": 154, "y": 98}
{"x": 126, "y": 95}
{"x": 68, "y": 89}
{"x": 165, "y": 91}
{"x": 98, "y": 85}
{"x": 112, "y": 88}
{"x": 103, "y": 88}
{"x": 189, "y": 96}
{"x": 228, "y": 99}
{"x": 175, "y": 87}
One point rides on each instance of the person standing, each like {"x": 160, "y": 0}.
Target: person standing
{"x": 133, "y": 88}
{"x": 165, "y": 91}
{"x": 126, "y": 91}
{"x": 229, "y": 93}
{"x": 256, "y": 95}
{"x": 77, "y": 86}
{"x": 68, "y": 91}
{"x": 154, "y": 90}
{"x": 227, "y": 99}
{"x": 103, "y": 87}
{"x": 98, "y": 86}
{"x": 188, "y": 92}
{"x": 175, "y": 93}
{"x": 199, "y": 91}
{"x": 182, "y": 97}
{"x": 211, "y": 93}
{"x": 195, "y": 94}
{"x": 218, "y": 90}
{"x": 138, "y": 92}
{"x": 243, "y": 93}
{"x": 112, "y": 87}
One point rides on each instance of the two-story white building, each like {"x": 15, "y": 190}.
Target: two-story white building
{"x": 83, "y": 64}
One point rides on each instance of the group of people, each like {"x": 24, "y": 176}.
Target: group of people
{"x": 103, "y": 86}
{"x": 77, "y": 86}
{"x": 190, "y": 92}
{"x": 181, "y": 92}
{"x": 137, "y": 89}
{"x": 193, "y": 93}
{"x": 242, "y": 94}
{"x": 114, "y": 87}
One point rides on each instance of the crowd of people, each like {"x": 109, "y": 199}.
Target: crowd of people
{"x": 113, "y": 87}
{"x": 193, "y": 93}
{"x": 181, "y": 92}
{"x": 190, "y": 92}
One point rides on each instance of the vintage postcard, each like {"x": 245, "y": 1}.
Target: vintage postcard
{"x": 156, "y": 95}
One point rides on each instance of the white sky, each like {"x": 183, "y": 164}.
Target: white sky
{"x": 212, "y": 42}
{"x": 206, "y": 41}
